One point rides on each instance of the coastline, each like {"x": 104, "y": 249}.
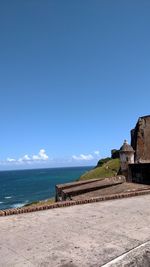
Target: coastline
{"x": 41, "y": 202}
{"x": 28, "y": 187}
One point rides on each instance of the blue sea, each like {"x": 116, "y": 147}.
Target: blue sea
{"x": 21, "y": 187}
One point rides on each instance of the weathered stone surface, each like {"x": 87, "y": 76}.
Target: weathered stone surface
{"x": 137, "y": 257}
{"x": 87, "y": 235}
{"x": 140, "y": 140}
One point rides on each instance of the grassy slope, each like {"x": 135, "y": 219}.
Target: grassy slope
{"x": 108, "y": 169}
{"x": 41, "y": 203}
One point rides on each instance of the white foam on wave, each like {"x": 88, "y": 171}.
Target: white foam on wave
{"x": 1, "y": 202}
{"x": 8, "y": 197}
{"x": 18, "y": 205}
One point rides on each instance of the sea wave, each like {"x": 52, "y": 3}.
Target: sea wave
{"x": 1, "y": 202}
{"x": 18, "y": 205}
{"x": 8, "y": 197}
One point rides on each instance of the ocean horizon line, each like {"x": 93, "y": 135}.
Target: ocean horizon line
{"x": 47, "y": 168}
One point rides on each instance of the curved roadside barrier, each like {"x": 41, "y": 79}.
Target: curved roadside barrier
{"x": 136, "y": 257}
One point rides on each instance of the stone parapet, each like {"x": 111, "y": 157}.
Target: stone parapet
{"x": 73, "y": 202}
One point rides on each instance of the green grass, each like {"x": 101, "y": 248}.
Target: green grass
{"x": 107, "y": 170}
{"x": 41, "y": 203}
{"x": 102, "y": 161}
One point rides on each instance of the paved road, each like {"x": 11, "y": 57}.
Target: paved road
{"x": 79, "y": 236}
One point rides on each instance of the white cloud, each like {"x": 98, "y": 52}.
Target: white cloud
{"x": 41, "y": 156}
{"x": 35, "y": 157}
{"x": 26, "y": 157}
{"x": 96, "y": 152}
{"x": 83, "y": 157}
{"x": 10, "y": 160}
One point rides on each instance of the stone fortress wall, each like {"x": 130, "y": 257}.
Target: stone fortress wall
{"x": 135, "y": 159}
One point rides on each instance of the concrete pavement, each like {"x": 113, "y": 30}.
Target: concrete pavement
{"x": 88, "y": 235}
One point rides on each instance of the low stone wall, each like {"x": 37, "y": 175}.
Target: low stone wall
{"x": 73, "y": 202}
{"x": 67, "y": 191}
{"x": 60, "y": 187}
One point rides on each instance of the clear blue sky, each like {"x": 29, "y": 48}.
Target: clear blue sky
{"x": 74, "y": 78}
